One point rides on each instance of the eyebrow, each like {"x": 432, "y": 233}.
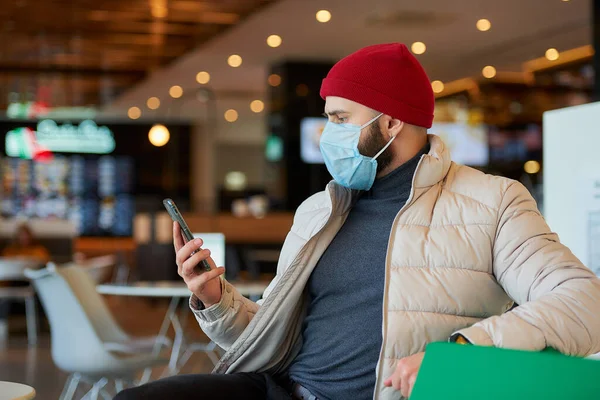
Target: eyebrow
{"x": 335, "y": 112}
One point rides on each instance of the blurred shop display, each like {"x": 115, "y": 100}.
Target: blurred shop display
{"x": 310, "y": 136}
{"x": 468, "y": 143}
{"x": 94, "y": 174}
{"x": 295, "y": 168}
{"x": 255, "y": 206}
{"x": 505, "y": 112}
{"x": 90, "y": 193}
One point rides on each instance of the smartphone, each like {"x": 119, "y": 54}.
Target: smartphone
{"x": 185, "y": 230}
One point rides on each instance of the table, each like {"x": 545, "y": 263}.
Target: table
{"x": 16, "y": 391}
{"x": 177, "y": 291}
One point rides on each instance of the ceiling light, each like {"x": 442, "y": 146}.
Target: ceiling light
{"x": 153, "y": 103}
{"x": 274, "y": 80}
{"x": 418, "y": 47}
{"x": 552, "y": 54}
{"x": 274, "y": 41}
{"x": 532, "y": 167}
{"x": 488, "y": 71}
{"x": 484, "y": 25}
{"x": 437, "y": 86}
{"x": 323, "y": 16}
{"x": 257, "y": 106}
{"x": 234, "y": 61}
{"x": 202, "y": 77}
{"x": 176, "y": 91}
{"x": 159, "y": 135}
{"x": 231, "y": 115}
{"x": 134, "y": 112}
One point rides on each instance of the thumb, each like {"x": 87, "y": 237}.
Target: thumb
{"x": 387, "y": 382}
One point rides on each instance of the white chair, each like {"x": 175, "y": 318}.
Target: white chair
{"x": 76, "y": 346}
{"x": 13, "y": 270}
{"x": 100, "y": 268}
{"x": 108, "y": 330}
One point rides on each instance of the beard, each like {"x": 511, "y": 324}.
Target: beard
{"x": 372, "y": 144}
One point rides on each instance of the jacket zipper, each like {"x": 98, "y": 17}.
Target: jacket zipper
{"x": 283, "y": 279}
{"x": 386, "y": 287}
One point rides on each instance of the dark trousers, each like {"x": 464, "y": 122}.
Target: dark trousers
{"x": 249, "y": 386}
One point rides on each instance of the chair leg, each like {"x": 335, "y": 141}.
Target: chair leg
{"x": 70, "y": 387}
{"x": 98, "y": 386}
{"x": 96, "y": 389}
{"x": 210, "y": 349}
{"x": 105, "y": 395}
{"x": 67, "y": 384}
{"x": 213, "y": 357}
{"x": 119, "y": 385}
{"x": 185, "y": 358}
{"x": 31, "y": 315}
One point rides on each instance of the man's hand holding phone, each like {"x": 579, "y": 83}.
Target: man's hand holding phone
{"x": 206, "y": 285}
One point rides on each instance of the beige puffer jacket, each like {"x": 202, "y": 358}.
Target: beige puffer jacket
{"x": 463, "y": 248}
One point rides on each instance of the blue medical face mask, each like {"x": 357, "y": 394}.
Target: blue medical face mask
{"x": 349, "y": 168}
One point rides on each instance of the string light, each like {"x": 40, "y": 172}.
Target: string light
{"x": 552, "y": 54}
{"x": 257, "y": 106}
{"x": 274, "y": 41}
{"x": 234, "y": 60}
{"x": 134, "y": 112}
{"x": 274, "y": 80}
{"x": 488, "y": 71}
{"x": 323, "y": 16}
{"x": 176, "y": 91}
{"x": 532, "y": 167}
{"x": 231, "y": 115}
{"x": 153, "y": 103}
{"x": 437, "y": 86}
{"x": 202, "y": 77}
{"x": 483, "y": 25}
{"x": 418, "y": 47}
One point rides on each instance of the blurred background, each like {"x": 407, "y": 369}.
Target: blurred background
{"x": 107, "y": 107}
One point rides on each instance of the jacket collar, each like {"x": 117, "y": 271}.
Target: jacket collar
{"x": 432, "y": 169}
{"x": 434, "y": 166}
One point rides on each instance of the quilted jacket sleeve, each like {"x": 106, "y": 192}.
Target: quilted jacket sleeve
{"x": 225, "y": 321}
{"x": 559, "y": 298}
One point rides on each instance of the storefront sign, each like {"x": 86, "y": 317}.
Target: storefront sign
{"x": 87, "y": 137}
{"x": 36, "y": 109}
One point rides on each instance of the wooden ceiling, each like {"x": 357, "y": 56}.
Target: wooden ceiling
{"x": 86, "y": 52}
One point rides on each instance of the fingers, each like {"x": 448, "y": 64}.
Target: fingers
{"x": 411, "y": 384}
{"x": 404, "y": 386}
{"x": 397, "y": 381}
{"x": 177, "y": 237}
{"x": 401, "y": 379}
{"x": 394, "y": 381}
{"x": 186, "y": 251}
{"x": 407, "y": 381}
{"x": 189, "y": 265}
{"x": 196, "y": 284}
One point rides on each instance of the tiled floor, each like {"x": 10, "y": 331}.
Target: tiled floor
{"x": 33, "y": 365}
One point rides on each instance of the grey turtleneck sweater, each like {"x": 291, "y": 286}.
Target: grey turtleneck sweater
{"x": 342, "y": 331}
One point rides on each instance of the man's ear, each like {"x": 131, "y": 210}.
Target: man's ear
{"x": 394, "y": 126}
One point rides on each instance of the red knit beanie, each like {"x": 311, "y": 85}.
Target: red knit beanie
{"x": 386, "y": 78}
